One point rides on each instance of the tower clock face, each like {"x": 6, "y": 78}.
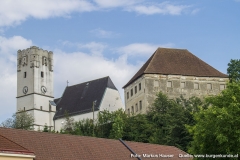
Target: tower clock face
{"x": 25, "y": 89}
{"x": 43, "y": 89}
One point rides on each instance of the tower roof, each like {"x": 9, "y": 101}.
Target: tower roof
{"x": 78, "y": 99}
{"x": 176, "y": 62}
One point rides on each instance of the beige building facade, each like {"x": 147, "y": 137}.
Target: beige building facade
{"x": 174, "y": 72}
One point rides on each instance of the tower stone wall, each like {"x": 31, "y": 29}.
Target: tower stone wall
{"x": 35, "y": 85}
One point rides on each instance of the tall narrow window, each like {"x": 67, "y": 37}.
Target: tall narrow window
{"x": 127, "y": 95}
{"x": 131, "y": 92}
{"x": 40, "y": 107}
{"x": 128, "y": 111}
{"x": 50, "y": 108}
{"x": 135, "y": 89}
{"x": 25, "y": 75}
{"x": 42, "y": 75}
{"x": 132, "y": 109}
{"x": 136, "y": 107}
{"x": 140, "y": 105}
{"x": 139, "y": 86}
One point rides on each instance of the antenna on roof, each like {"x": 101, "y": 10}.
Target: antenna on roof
{"x": 67, "y": 82}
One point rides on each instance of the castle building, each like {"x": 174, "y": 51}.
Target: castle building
{"x": 35, "y": 85}
{"x": 174, "y": 72}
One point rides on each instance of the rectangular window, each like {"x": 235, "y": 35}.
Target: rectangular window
{"x": 50, "y": 108}
{"x": 156, "y": 83}
{"x": 209, "y": 86}
{"x": 140, "y": 105}
{"x": 183, "y": 84}
{"x": 136, "y": 107}
{"x": 222, "y": 86}
{"x": 135, "y": 89}
{"x": 132, "y": 109}
{"x": 42, "y": 75}
{"x": 25, "y": 75}
{"x": 128, "y": 111}
{"x": 196, "y": 86}
{"x": 169, "y": 84}
{"x": 127, "y": 95}
{"x": 139, "y": 86}
{"x": 131, "y": 92}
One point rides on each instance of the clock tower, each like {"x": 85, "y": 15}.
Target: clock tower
{"x": 35, "y": 85}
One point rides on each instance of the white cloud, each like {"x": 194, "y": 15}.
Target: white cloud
{"x": 14, "y": 12}
{"x": 159, "y": 8}
{"x": 78, "y": 67}
{"x": 141, "y": 49}
{"x": 8, "y": 72}
{"x": 103, "y": 33}
{"x": 116, "y": 3}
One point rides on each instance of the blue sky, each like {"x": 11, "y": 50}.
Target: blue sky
{"x": 96, "y": 38}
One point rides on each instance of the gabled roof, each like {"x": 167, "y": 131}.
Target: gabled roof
{"x": 176, "y": 62}
{"x": 54, "y": 146}
{"x": 78, "y": 99}
{"x": 8, "y": 146}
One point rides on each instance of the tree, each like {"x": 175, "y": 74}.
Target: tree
{"x": 217, "y": 129}
{"x": 170, "y": 117}
{"x": 20, "y": 120}
{"x": 69, "y": 123}
{"x": 234, "y": 70}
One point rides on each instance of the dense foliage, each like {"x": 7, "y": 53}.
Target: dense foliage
{"x": 234, "y": 70}
{"x": 163, "y": 124}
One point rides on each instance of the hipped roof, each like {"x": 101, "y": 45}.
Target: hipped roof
{"x": 168, "y": 61}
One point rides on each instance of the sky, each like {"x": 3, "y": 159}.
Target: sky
{"x": 92, "y": 39}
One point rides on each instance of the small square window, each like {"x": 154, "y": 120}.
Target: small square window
{"x": 209, "y": 86}
{"x": 139, "y": 86}
{"x": 169, "y": 84}
{"x": 131, "y": 92}
{"x": 196, "y": 86}
{"x": 222, "y": 86}
{"x": 135, "y": 89}
{"x": 183, "y": 84}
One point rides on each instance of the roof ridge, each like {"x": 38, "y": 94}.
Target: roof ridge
{"x": 88, "y": 81}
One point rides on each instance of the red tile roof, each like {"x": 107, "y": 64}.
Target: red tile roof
{"x": 50, "y": 146}
{"x": 176, "y": 62}
{"x": 8, "y": 146}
